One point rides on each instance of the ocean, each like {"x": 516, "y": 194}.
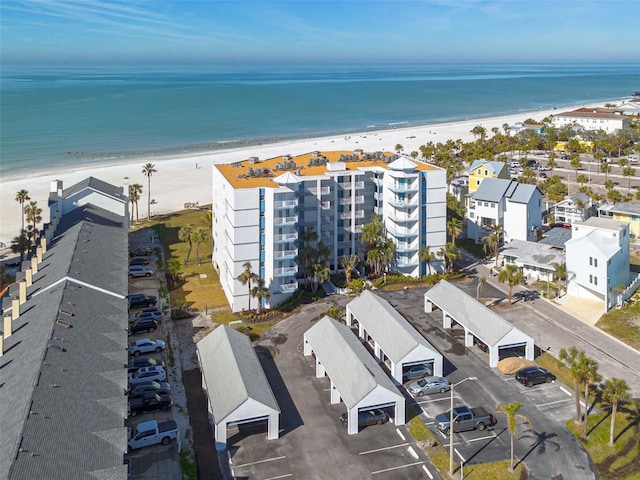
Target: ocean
{"x": 70, "y": 116}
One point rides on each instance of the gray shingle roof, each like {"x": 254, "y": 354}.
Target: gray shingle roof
{"x": 534, "y": 254}
{"x": 630, "y": 208}
{"x": 352, "y": 369}
{"x": 556, "y": 237}
{"x": 232, "y": 372}
{"x": 390, "y": 329}
{"x": 467, "y": 311}
{"x": 495, "y": 189}
{"x": 62, "y": 396}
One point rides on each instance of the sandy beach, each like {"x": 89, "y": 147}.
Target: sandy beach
{"x": 187, "y": 178}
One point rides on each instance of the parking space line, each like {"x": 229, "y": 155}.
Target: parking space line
{"x": 280, "y": 476}
{"x": 456, "y": 450}
{"x": 412, "y": 452}
{"x": 566, "y": 391}
{"x": 426, "y": 470}
{"x": 471, "y": 440}
{"x": 553, "y": 403}
{"x": 383, "y": 448}
{"x": 260, "y": 461}
{"x": 437, "y": 400}
{"x": 397, "y": 468}
{"x": 400, "y": 434}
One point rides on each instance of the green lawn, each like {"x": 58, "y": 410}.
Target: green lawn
{"x": 624, "y": 324}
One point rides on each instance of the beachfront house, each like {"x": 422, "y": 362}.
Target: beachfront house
{"x": 626, "y": 212}
{"x": 598, "y": 260}
{"x": 536, "y": 259}
{"x": 481, "y": 169}
{"x": 267, "y": 213}
{"x": 574, "y": 208}
{"x": 517, "y": 207}
{"x": 608, "y": 120}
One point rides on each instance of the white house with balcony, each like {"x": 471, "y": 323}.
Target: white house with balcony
{"x": 576, "y": 208}
{"x": 515, "y": 206}
{"x": 263, "y": 209}
{"x": 598, "y": 260}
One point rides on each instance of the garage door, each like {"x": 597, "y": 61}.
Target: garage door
{"x": 248, "y": 420}
{"x": 515, "y": 350}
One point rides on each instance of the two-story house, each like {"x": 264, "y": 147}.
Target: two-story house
{"x": 481, "y": 169}
{"x": 598, "y": 260}
{"x": 515, "y": 206}
{"x": 626, "y": 212}
{"x": 576, "y": 208}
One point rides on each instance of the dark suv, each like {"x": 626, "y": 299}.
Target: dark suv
{"x": 140, "y": 251}
{"x": 140, "y": 300}
{"x": 531, "y": 376}
{"x": 143, "y": 325}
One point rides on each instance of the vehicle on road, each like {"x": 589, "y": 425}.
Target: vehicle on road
{"x": 157, "y": 316}
{"x": 140, "y": 271}
{"x": 143, "y": 325}
{"x": 140, "y": 252}
{"x": 417, "y": 371}
{"x": 542, "y": 175}
{"x": 139, "y": 261}
{"x": 367, "y": 417}
{"x": 140, "y": 300}
{"x": 147, "y": 374}
{"x": 535, "y": 375}
{"x": 464, "y": 419}
{"x": 150, "y": 402}
{"x": 152, "y": 432}
{"x": 429, "y": 385}
{"x": 161, "y": 388}
{"x": 140, "y": 362}
{"x": 145, "y": 345}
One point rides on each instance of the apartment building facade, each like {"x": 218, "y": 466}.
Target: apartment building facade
{"x": 609, "y": 121}
{"x": 265, "y": 212}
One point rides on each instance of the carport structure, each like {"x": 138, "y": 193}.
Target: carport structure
{"x": 235, "y": 384}
{"x": 477, "y": 320}
{"x": 392, "y": 335}
{"x": 355, "y": 376}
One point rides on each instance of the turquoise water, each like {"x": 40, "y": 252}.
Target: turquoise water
{"x": 69, "y": 116}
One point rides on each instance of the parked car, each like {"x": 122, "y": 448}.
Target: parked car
{"x": 150, "y": 402}
{"x": 144, "y": 345}
{"x": 141, "y": 362}
{"x": 147, "y": 374}
{"x": 140, "y": 271}
{"x": 152, "y": 433}
{"x": 417, "y": 371}
{"x": 143, "y": 325}
{"x": 542, "y": 175}
{"x": 367, "y": 417}
{"x": 545, "y": 168}
{"x": 139, "y": 261}
{"x": 138, "y": 300}
{"x": 481, "y": 345}
{"x": 140, "y": 251}
{"x": 531, "y": 376}
{"x": 464, "y": 419}
{"x": 151, "y": 310}
{"x": 429, "y": 385}
{"x": 157, "y": 316}
{"x": 161, "y": 388}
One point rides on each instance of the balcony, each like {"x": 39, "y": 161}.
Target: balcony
{"x": 402, "y": 232}
{"x": 353, "y": 229}
{"x": 286, "y": 237}
{"x": 406, "y": 247}
{"x": 403, "y": 188}
{"x": 347, "y": 215}
{"x": 285, "y": 204}
{"x": 285, "y": 254}
{"x": 325, "y": 205}
{"x": 321, "y": 191}
{"x": 403, "y": 218}
{"x": 403, "y": 204}
{"x": 280, "y": 221}
{"x": 289, "y": 287}
{"x": 285, "y": 272}
{"x": 407, "y": 263}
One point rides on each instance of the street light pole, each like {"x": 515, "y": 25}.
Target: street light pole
{"x": 453, "y": 385}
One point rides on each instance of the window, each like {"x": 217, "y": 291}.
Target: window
{"x": 595, "y": 280}
{"x": 590, "y": 278}
{"x": 595, "y": 263}
{"x": 590, "y": 260}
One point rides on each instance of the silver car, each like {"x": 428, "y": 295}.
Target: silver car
{"x": 140, "y": 271}
{"x": 429, "y": 385}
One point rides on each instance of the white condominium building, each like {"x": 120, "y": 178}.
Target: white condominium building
{"x": 262, "y": 210}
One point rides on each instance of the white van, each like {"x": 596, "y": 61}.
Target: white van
{"x": 632, "y": 158}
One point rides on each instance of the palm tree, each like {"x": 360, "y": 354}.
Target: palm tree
{"x": 510, "y": 410}
{"x": 479, "y": 131}
{"x": 207, "y": 219}
{"x": 349, "y": 262}
{"x": 21, "y": 244}
{"x": 148, "y": 170}
{"x": 5, "y": 277}
{"x": 616, "y": 391}
{"x": 511, "y": 275}
{"x": 33, "y": 212}
{"x": 559, "y": 272}
{"x": 245, "y": 279}
{"x": 455, "y": 228}
{"x": 134, "y": 197}
{"x": 174, "y": 265}
{"x": 426, "y": 255}
{"x": 449, "y": 254}
{"x": 479, "y": 289}
{"x": 320, "y": 274}
{"x": 628, "y": 172}
{"x": 21, "y": 197}
{"x": 260, "y": 292}
{"x": 591, "y": 376}
{"x": 185, "y": 234}
{"x": 199, "y": 235}
{"x": 493, "y": 241}
{"x": 574, "y": 360}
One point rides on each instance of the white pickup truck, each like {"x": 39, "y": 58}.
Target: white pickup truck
{"x": 152, "y": 433}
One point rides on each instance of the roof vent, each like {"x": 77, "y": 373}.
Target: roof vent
{"x": 53, "y": 345}
{"x": 63, "y": 324}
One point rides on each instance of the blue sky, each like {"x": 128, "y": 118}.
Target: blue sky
{"x": 67, "y": 32}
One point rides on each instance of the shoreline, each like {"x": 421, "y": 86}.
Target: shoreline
{"x": 179, "y": 178}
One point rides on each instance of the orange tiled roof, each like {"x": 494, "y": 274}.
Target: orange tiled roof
{"x": 238, "y": 173}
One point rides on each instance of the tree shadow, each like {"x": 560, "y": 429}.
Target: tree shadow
{"x": 539, "y": 441}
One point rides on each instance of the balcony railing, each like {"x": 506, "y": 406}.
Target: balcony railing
{"x": 403, "y": 204}
{"x": 403, "y": 188}
{"x": 407, "y": 247}
{"x": 286, "y": 204}
{"x": 358, "y": 214}
{"x": 289, "y": 287}
{"x": 280, "y": 254}
{"x": 285, "y": 220}
{"x": 402, "y": 232}
{"x": 402, "y": 218}
{"x": 321, "y": 190}
{"x": 285, "y": 237}
{"x": 325, "y": 205}
{"x": 285, "y": 272}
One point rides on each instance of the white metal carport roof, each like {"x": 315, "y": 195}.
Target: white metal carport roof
{"x": 392, "y": 334}
{"x": 355, "y": 375}
{"x": 235, "y": 383}
{"x": 476, "y": 319}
